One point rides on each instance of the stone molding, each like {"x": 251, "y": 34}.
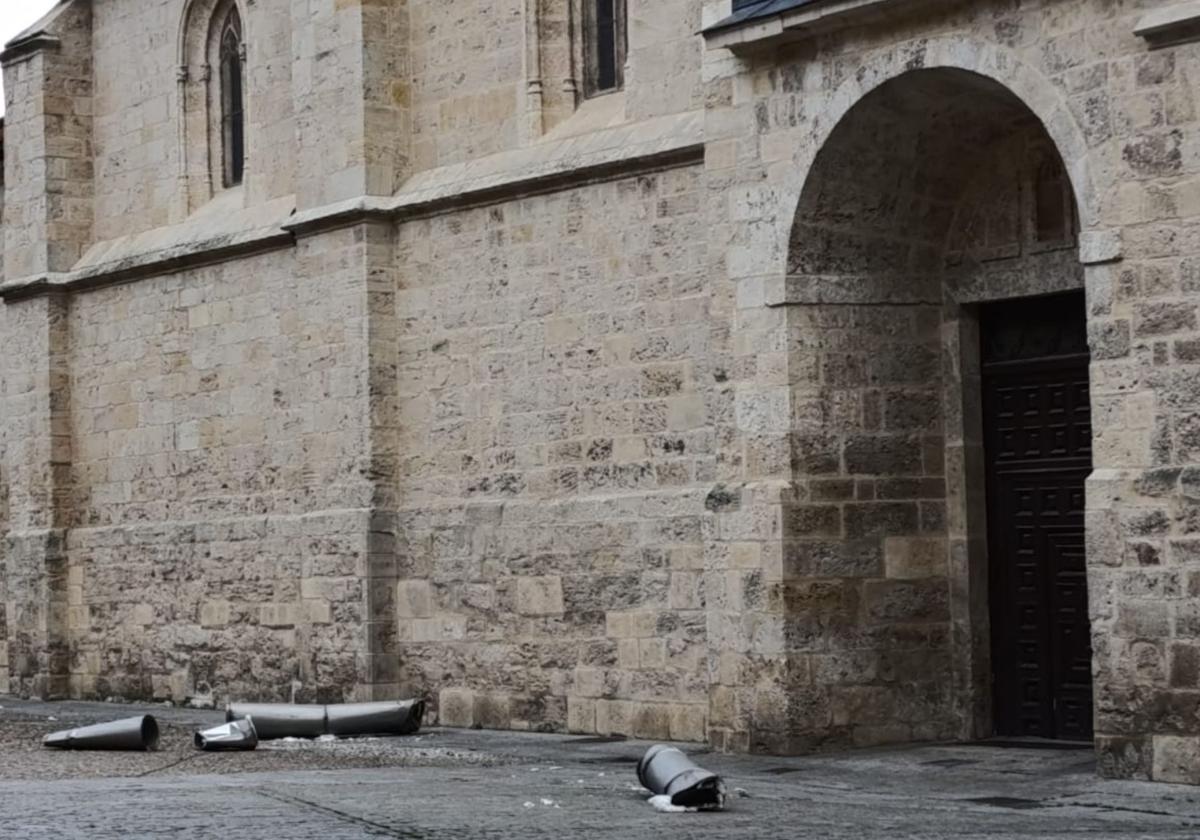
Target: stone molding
{"x": 36, "y": 38}
{"x": 621, "y": 152}
{"x": 1173, "y": 24}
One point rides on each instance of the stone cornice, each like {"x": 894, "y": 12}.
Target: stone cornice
{"x": 1171, "y": 24}
{"x": 37, "y": 38}
{"x": 24, "y": 48}
{"x": 568, "y": 163}
{"x": 405, "y": 208}
{"x": 192, "y": 255}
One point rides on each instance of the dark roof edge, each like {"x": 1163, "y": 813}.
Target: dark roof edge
{"x": 762, "y": 10}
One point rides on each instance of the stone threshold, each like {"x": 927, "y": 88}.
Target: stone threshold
{"x": 622, "y": 151}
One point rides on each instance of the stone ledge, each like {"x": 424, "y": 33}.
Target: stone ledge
{"x": 35, "y": 38}
{"x": 575, "y": 161}
{"x": 223, "y": 230}
{"x": 1172, "y": 24}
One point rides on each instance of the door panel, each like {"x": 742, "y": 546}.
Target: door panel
{"x": 1037, "y": 430}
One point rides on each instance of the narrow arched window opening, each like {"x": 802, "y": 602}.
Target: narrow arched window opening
{"x": 233, "y": 112}
{"x": 605, "y": 46}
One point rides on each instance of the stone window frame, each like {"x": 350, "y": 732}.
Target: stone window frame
{"x": 588, "y": 49}
{"x": 231, "y": 48}
{"x": 205, "y": 138}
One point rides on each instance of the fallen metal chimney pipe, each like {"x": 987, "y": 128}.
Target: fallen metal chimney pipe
{"x": 286, "y": 720}
{"x": 136, "y": 733}
{"x": 235, "y": 735}
{"x": 280, "y": 720}
{"x": 392, "y": 717}
{"x": 666, "y": 770}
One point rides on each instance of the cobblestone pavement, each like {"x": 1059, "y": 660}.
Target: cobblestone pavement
{"x": 465, "y": 785}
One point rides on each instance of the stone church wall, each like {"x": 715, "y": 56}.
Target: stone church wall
{"x": 217, "y": 508}
{"x": 614, "y": 434}
{"x": 562, "y": 395}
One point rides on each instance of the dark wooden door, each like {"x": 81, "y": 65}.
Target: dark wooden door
{"x": 1038, "y": 439}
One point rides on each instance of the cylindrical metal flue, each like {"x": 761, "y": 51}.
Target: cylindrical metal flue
{"x": 286, "y": 720}
{"x": 280, "y": 720}
{"x": 392, "y": 717}
{"x": 666, "y": 770}
{"x": 235, "y": 735}
{"x": 136, "y": 733}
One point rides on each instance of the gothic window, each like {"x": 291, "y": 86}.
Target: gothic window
{"x": 604, "y": 46}
{"x": 233, "y": 113}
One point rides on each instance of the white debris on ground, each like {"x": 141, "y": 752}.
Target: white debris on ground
{"x": 662, "y": 802}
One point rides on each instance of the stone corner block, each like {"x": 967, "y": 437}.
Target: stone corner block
{"x": 1100, "y": 246}
{"x": 1177, "y": 759}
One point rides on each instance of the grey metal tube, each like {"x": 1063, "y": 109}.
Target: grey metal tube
{"x": 280, "y": 720}
{"x": 136, "y": 733}
{"x": 235, "y": 735}
{"x": 392, "y": 717}
{"x": 667, "y": 770}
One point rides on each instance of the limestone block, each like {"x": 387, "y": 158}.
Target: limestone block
{"x": 279, "y": 616}
{"x": 581, "y": 715}
{"x": 688, "y": 723}
{"x": 1100, "y": 246}
{"x": 456, "y": 707}
{"x": 630, "y": 625}
{"x": 214, "y": 614}
{"x": 652, "y": 721}
{"x": 318, "y": 611}
{"x": 445, "y": 627}
{"x": 629, "y": 654}
{"x": 142, "y": 615}
{"x": 493, "y": 711}
{"x": 589, "y": 683}
{"x": 414, "y": 599}
{"x": 540, "y": 596}
{"x": 912, "y": 557}
{"x": 1177, "y": 759}
{"x": 615, "y": 717}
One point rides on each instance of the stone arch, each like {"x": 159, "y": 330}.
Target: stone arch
{"x": 199, "y": 99}
{"x": 885, "y": 531}
{"x": 989, "y": 60}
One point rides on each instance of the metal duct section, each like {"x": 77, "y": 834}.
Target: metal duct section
{"x": 667, "y": 770}
{"x": 235, "y": 735}
{"x": 392, "y": 717}
{"x": 285, "y": 720}
{"x": 280, "y": 720}
{"x": 136, "y": 733}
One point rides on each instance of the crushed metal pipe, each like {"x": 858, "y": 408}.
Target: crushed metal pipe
{"x": 235, "y": 735}
{"x": 289, "y": 720}
{"x": 667, "y": 771}
{"x": 136, "y": 733}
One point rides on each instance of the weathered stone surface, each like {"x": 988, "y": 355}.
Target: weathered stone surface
{"x": 654, "y": 414}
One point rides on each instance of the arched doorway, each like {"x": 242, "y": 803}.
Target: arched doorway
{"x": 938, "y": 365}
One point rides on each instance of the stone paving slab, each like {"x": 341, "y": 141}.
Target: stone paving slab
{"x": 471, "y": 785}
